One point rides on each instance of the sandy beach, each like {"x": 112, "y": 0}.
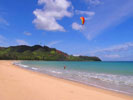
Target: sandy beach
{"x": 21, "y": 84}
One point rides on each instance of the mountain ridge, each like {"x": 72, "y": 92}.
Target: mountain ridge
{"x": 37, "y": 52}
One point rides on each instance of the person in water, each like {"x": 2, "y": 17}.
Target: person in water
{"x": 64, "y": 67}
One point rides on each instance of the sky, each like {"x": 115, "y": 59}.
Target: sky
{"x": 107, "y": 32}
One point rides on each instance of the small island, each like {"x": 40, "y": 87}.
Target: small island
{"x": 37, "y": 52}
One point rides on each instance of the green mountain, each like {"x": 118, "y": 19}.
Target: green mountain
{"x": 37, "y": 52}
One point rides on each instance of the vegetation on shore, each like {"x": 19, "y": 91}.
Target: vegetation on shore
{"x": 37, "y": 52}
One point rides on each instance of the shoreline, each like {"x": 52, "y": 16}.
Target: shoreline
{"x": 91, "y": 85}
{"x": 78, "y": 83}
{"x": 67, "y": 86}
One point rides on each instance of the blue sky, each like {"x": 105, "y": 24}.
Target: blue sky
{"x": 107, "y": 32}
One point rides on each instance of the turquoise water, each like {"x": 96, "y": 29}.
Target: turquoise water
{"x": 116, "y": 76}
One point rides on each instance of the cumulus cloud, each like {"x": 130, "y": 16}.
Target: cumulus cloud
{"x": 76, "y": 26}
{"x": 27, "y": 33}
{"x": 53, "y": 10}
{"x": 21, "y": 42}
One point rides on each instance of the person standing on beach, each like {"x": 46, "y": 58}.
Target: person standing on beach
{"x": 64, "y": 67}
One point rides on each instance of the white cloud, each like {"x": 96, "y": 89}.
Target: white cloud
{"x": 3, "y": 21}
{"x": 112, "y": 56}
{"x": 53, "y": 10}
{"x": 27, "y": 33}
{"x": 21, "y": 42}
{"x": 117, "y": 52}
{"x": 117, "y": 48}
{"x": 87, "y": 13}
{"x": 53, "y": 43}
{"x": 76, "y": 26}
{"x": 76, "y": 55}
{"x": 94, "y": 2}
{"x": 108, "y": 15}
{"x": 2, "y": 39}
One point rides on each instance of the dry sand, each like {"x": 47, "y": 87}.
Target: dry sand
{"x": 20, "y": 84}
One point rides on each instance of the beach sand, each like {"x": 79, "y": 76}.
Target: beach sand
{"x": 21, "y": 84}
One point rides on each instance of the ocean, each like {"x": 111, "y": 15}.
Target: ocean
{"x": 115, "y": 76}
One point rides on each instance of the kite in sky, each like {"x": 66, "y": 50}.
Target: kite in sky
{"x": 82, "y": 20}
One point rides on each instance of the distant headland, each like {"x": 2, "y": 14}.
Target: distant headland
{"x": 37, "y": 52}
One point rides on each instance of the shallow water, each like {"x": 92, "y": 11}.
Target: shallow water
{"x": 116, "y": 76}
